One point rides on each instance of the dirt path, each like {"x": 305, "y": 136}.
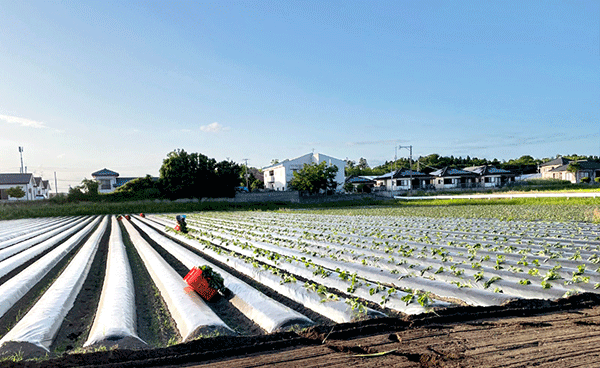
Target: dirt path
{"x": 534, "y": 333}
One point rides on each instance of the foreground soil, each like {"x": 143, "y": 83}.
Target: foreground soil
{"x": 565, "y": 333}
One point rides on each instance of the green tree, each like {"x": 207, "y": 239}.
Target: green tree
{"x": 16, "y": 192}
{"x": 314, "y": 178}
{"x": 573, "y": 167}
{"x": 187, "y": 175}
{"x": 362, "y": 163}
{"x": 87, "y": 191}
{"x": 140, "y": 188}
{"x": 255, "y": 180}
{"x": 228, "y": 175}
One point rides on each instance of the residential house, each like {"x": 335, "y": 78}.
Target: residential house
{"x": 367, "y": 180}
{"x": 109, "y": 181}
{"x": 42, "y": 188}
{"x": 490, "y": 176}
{"x": 25, "y": 181}
{"x": 585, "y": 169}
{"x": 450, "y": 178}
{"x": 278, "y": 176}
{"x": 550, "y": 165}
{"x": 404, "y": 179}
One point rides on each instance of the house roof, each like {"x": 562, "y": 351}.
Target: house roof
{"x": 448, "y": 171}
{"x": 105, "y": 172}
{"x": 583, "y": 164}
{"x": 487, "y": 170}
{"x": 402, "y": 173}
{"x": 356, "y": 179}
{"x": 38, "y": 180}
{"x": 319, "y": 157}
{"x": 557, "y": 161}
{"x": 45, "y": 184}
{"x": 10, "y": 179}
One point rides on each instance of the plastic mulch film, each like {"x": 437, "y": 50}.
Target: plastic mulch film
{"x": 115, "y": 318}
{"x": 16, "y": 287}
{"x": 336, "y": 310}
{"x": 33, "y": 231}
{"x": 191, "y": 314}
{"x": 40, "y": 325}
{"x": 9, "y": 251}
{"x": 264, "y": 311}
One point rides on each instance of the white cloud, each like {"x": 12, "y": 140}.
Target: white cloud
{"x": 213, "y": 128}
{"x": 22, "y": 121}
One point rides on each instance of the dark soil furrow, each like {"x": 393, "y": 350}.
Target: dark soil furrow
{"x": 221, "y": 306}
{"x": 14, "y": 314}
{"x": 155, "y": 325}
{"x": 75, "y": 328}
{"x": 273, "y": 294}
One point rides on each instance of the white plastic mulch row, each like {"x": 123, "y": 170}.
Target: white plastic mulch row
{"x": 13, "y": 249}
{"x": 428, "y": 268}
{"x": 191, "y": 314}
{"x": 374, "y": 275}
{"x": 34, "y": 230}
{"x": 513, "y": 282}
{"x": 16, "y": 260}
{"x": 262, "y": 310}
{"x": 336, "y": 310}
{"x": 11, "y": 228}
{"x": 16, "y": 287}
{"x": 115, "y": 317}
{"x": 40, "y": 325}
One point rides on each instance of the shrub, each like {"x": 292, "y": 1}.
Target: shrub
{"x": 585, "y": 179}
{"x": 597, "y": 180}
{"x": 364, "y": 188}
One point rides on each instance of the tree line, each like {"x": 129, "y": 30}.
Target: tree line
{"x": 182, "y": 175}
{"x": 426, "y": 164}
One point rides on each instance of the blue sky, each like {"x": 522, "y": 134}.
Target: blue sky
{"x": 88, "y": 85}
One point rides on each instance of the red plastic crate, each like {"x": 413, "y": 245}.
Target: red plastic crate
{"x": 197, "y": 282}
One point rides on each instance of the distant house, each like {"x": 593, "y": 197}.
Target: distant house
{"x": 42, "y": 188}
{"x": 550, "y": 165}
{"x": 278, "y": 176}
{"x": 109, "y": 181}
{"x": 490, "y": 176}
{"x": 357, "y": 180}
{"x": 559, "y": 169}
{"x": 404, "y": 179}
{"x": 450, "y": 178}
{"x": 24, "y": 181}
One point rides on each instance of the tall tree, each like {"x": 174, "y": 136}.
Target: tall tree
{"x": 228, "y": 175}
{"x": 315, "y": 177}
{"x": 184, "y": 175}
{"x": 362, "y": 163}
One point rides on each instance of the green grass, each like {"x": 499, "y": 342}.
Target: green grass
{"x": 546, "y": 209}
{"x": 528, "y": 209}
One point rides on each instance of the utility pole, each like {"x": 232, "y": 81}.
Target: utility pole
{"x": 21, "y": 153}
{"x": 55, "y": 184}
{"x": 409, "y": 166}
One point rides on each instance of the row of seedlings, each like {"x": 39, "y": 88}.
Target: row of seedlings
{"x": 515, "y": 283}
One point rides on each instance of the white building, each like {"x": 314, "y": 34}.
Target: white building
{"x": 107, "y": 180}
{"x": 24, "y": 181}
{"x": 278, "y": 176}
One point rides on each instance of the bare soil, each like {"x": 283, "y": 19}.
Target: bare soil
{"x": 564, "y": 333}
{"x": 77, "y": 323}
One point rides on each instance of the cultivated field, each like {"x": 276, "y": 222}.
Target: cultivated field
{"x": 73, "y": 284}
